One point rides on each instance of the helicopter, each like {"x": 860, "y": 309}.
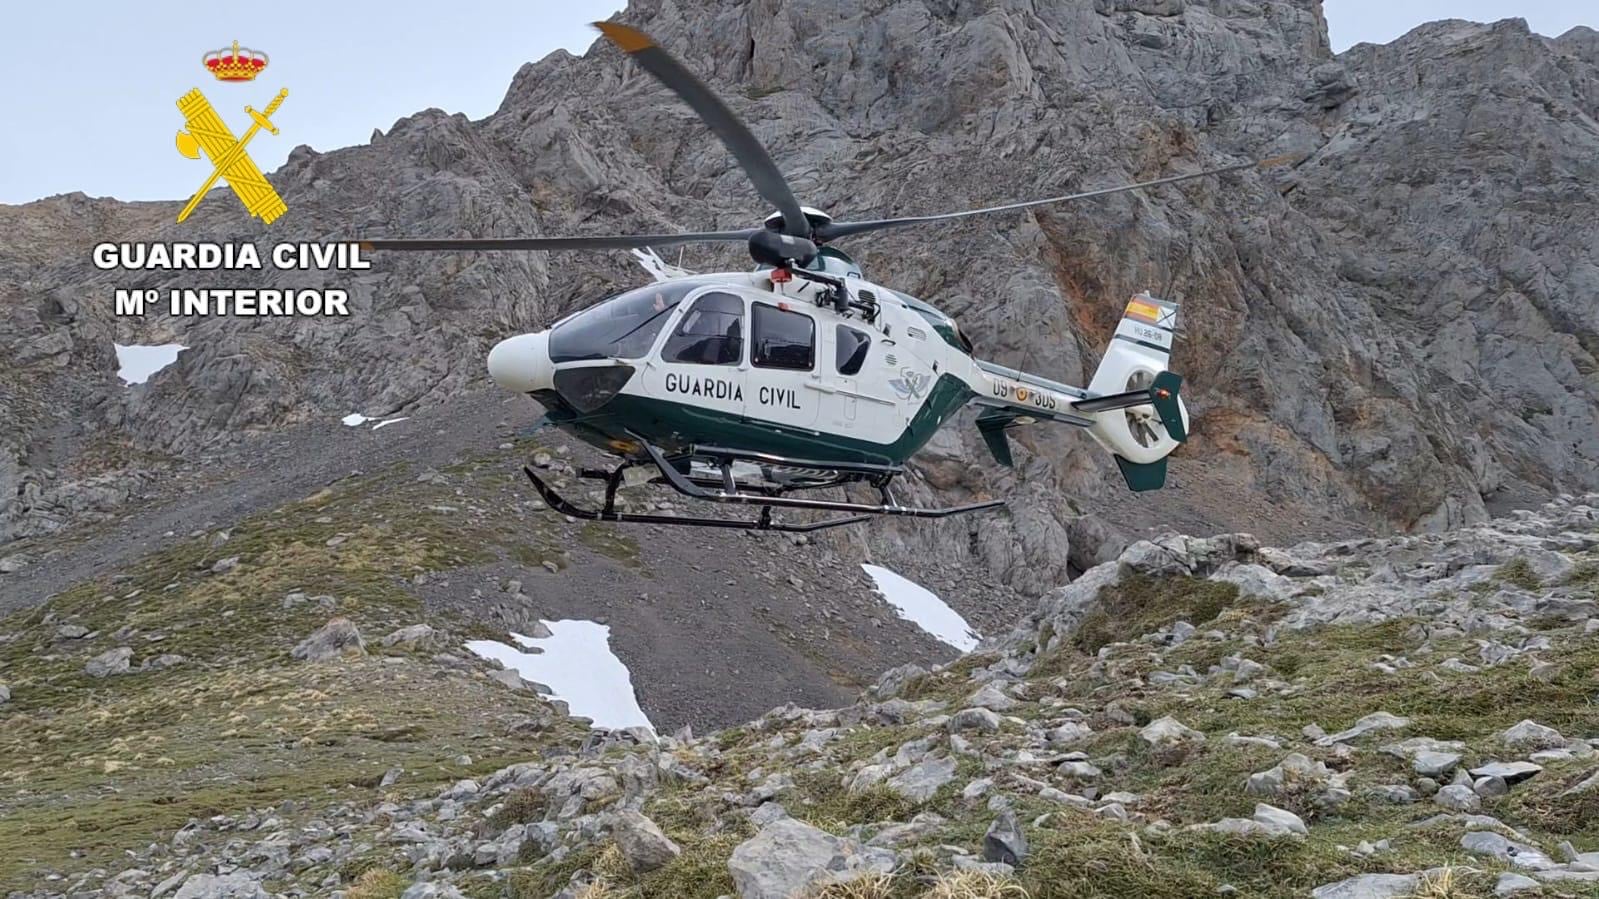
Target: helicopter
{"x": 760, "y": 388}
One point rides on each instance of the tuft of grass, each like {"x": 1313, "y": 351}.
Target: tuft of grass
{"x": 976, "y": 885}
{"x": 1585, "y": 576}
{"x": 1518, "y": 573}
{"x": 1445, "y": 884}
{"x": 1141, "y": 604}
{"x": 870, "y": 886}
{"x": 824, "y": 802}
{"x": 523, "y": 806}
{"x": 1551, "y": 803}
{"x": 377, "y": 883}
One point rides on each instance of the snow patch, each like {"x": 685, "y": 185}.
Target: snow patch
{"x": 576, "y": 663}
{"x": 921, "y": 607}
{"x": 136, "y": 362}
{"x": 356, "y": 419}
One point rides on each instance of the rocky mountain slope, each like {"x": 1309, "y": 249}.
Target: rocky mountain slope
{"x": 1401, "y": 717}
{"x": 1398, "y": 331}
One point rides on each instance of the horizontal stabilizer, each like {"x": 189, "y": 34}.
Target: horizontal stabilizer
{"x": 1142, "y": 477}
{"x": 1161, "y": 393}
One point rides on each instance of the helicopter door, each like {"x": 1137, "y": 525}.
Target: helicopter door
{"x": 850, "y": 348}
{"x": 784, "y": 385}
{"x": 700, "y": 360}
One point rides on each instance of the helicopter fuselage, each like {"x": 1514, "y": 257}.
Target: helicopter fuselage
{"x": 738, "y": 360}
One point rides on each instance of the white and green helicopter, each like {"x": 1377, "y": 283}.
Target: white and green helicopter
{"x": 751, "y": 387}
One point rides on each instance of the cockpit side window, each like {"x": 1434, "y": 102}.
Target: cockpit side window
{"x": 711, "y": 332}
{"x": 783, "y": 339}
{"x": 622, "y": 327}
{"x": 851, "y": 349}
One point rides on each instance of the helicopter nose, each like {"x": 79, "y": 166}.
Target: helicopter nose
{"x": 522, "y": 363}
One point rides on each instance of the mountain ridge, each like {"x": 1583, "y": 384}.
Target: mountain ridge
{"x": 1338, "y": 364}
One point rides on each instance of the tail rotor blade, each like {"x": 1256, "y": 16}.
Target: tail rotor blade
{"x": 749, "y": 152}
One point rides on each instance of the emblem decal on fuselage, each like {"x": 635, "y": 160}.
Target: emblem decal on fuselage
{"x": 910, "y": 384}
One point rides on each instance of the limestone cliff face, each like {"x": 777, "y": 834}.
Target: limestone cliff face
{"x": 1400, "y": 328}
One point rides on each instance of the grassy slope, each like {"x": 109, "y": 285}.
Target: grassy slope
{"x": 93, "y": 766}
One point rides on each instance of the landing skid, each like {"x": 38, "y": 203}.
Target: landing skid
{"x": 771, "y": 493}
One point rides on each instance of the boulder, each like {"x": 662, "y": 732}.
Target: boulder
{"x": 431, "y": 890}
{"x": 642, "y": 843}
{"x": 1458, "y": 798}
{"x": 1530, "y": 735}
{"x": 1374, "y": 722}
{"x": 1256, "y": 580}
{"x": 990, "y": 696}
{"x": 920, "y": 781}
{"x": 1429, "y": 763}
{"x": 1370, "y": 886}
{"x": 338, "y": 638}
{"x": 108, "y": 663}
{"x": 161, "y": 662}
{"x": 1295, "y": 768}
{"x": 1279, "y": 820}
{"x": 1489, "y": 787}
{"x": 1068, "y": 732}
{"x": 1492, "y": 845}
{"x": 983, "y": 720}
{"x": 1004, "y": 842}
{"x": 1510, "y": 883}
{"x": 413, "y": 636}
{"x": 791, "y": 858}
{"x": 1168, "y": 731}
{"x": 238, "y": 885}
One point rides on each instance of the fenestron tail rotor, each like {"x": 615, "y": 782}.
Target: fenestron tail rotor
{"x": 790, "y": 237}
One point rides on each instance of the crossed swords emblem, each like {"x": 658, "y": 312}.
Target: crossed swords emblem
{"x": 206, "y": 131}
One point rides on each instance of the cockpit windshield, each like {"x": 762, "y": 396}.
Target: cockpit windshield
{"x": 942, "y": 324}
{"x": 622, "y": 327}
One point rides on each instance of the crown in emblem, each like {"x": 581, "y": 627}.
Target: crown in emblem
{"x": 236, "y": 63}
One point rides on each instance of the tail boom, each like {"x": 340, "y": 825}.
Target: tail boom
{"x": 1132, "y": 407}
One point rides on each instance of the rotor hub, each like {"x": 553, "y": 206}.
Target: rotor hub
{"x": 814, "y": 216}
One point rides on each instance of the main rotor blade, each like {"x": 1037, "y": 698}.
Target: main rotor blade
{"x": 835, "y": 230}
{"x": 751, "y": 156}
{"x": 598, "y": 242}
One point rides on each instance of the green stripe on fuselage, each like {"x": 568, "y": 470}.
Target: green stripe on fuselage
{"x": 675, "y": 427}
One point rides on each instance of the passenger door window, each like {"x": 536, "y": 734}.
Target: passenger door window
{"x": 783, "y": 339}
{"x": 710, "y": 333}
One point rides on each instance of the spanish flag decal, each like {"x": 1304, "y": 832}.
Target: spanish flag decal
{"x": 1143, "y": 311}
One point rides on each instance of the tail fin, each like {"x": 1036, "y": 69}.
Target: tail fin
{"x": 1141, "y": 436}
